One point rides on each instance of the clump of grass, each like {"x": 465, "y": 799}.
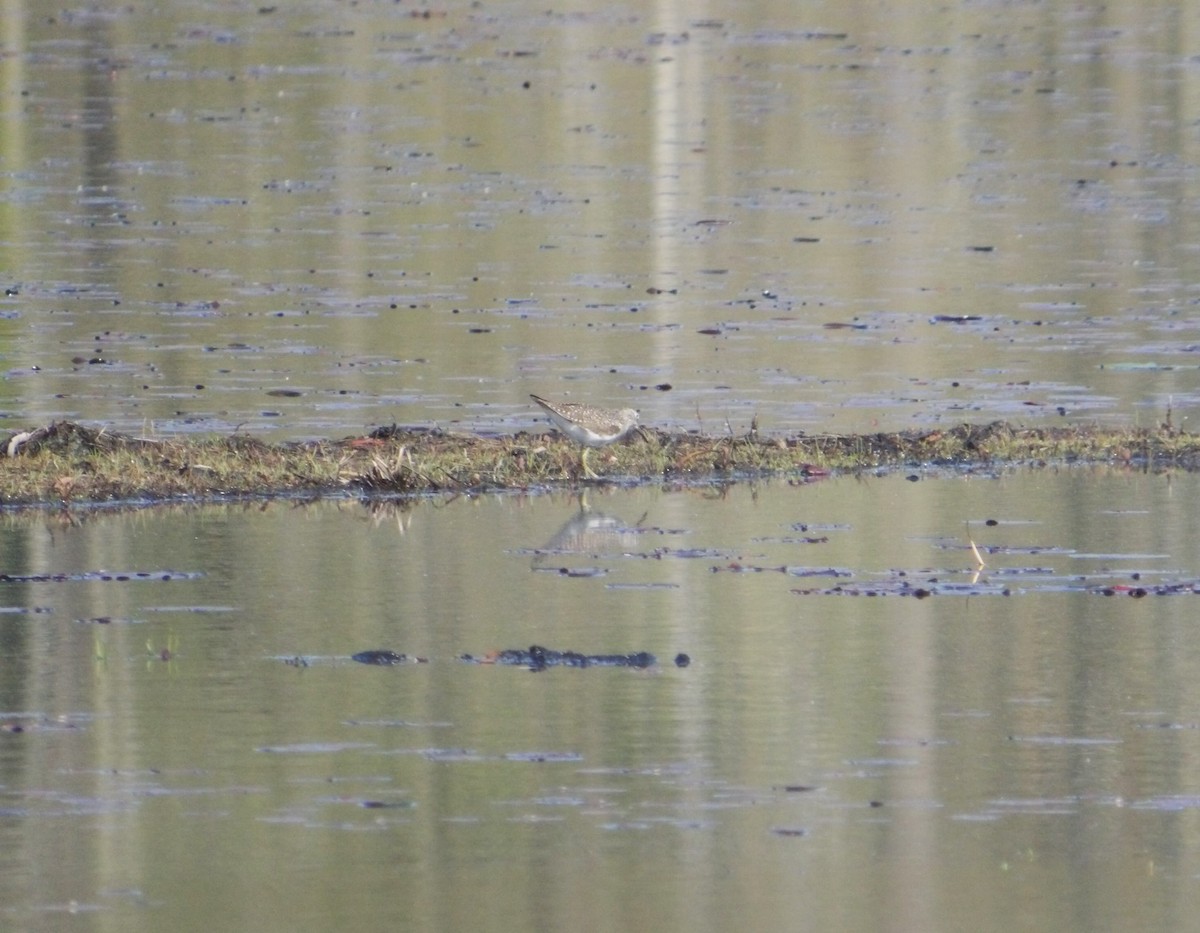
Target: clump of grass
{"x": 68, "y": 462}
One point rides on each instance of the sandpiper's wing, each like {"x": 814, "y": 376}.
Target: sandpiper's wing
{"x": 588, "y": 424}
{"x": 567, "y": 411}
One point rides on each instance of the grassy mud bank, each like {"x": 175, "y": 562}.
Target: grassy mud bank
{"x": 66, "y": 462}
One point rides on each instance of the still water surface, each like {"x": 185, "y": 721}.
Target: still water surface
{"x": 197, "y": 750}
{"x": 305, "y": 219}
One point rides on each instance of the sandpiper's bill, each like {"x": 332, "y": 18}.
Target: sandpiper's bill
{"x": 589, "y": 426}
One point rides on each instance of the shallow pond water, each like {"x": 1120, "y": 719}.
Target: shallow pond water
{"x": 186, "y": 743}
{"x": 308, "y": 219}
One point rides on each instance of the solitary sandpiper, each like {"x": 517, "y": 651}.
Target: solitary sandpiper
{"x": 590, "y": 426}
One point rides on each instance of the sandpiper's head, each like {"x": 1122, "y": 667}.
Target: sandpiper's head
{"x": 626, "y": 422}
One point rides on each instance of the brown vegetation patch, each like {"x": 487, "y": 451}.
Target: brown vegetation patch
{"x": 69, "y": 462}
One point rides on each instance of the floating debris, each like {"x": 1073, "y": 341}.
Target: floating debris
{"x": 955, "y": 319}
{"x": 736, "y": 567}
{"x": 534, "y": 657}
{"x": 537, "y": 658}
{"x": 104, "y": 576}
{"x": 384, "y": 658}
{"x": 574, "y": 572}
{"x": 902, "y": 586}
{"x": 106, "y": 620}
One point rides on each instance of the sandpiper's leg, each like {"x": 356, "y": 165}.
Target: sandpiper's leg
{"x": 587, "y": 470}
